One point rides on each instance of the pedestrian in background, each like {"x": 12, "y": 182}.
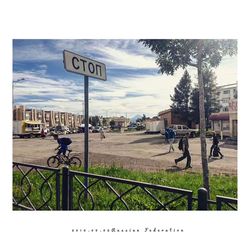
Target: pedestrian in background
{"x": 170, "y": 137}
{"x": 43, "y": 133}
{"x": 215, "y": 147}
{"x": 184, "y": 146}
{"x": 102, "y": 135}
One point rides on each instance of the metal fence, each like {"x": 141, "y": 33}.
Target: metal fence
{"x": 36, "y": 187}
{"x": 44, "y": 188}
{"x": 123, "y": 194}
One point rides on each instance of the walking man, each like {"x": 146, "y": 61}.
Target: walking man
{"x": 170, "y": 137}
{"x": 215, "y": 146}
{"x": 184, "y": 146}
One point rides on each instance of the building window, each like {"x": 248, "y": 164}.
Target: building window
{"x": 225, "y": 125}
{"x": 226, "y": 100}
{"x": 217, "y": 125}
{"x": 225, "y": 92}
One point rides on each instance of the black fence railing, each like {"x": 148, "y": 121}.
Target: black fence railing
{"x": 226, "y": 202}
{"x": 44, "y": 188}
{"x": 36, "y": 187}
{"x": 123, "y": 194}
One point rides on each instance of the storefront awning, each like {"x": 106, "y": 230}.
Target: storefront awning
{"x": 33, "y": 122}
{"x": 219, "y": 117}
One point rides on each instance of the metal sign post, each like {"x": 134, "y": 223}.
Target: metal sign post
{"x": 86, "y": 129}
{"x": 89, "y": 68}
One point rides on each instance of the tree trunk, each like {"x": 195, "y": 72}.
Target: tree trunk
{"x": 202, "y": 121}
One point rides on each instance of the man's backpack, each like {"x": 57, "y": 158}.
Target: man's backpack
{"x": 180, "y": 145}
{"x": 65, "y": 141}
{"x": 166, "y": 134}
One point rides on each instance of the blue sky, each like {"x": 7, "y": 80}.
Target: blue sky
{"x": 133, "y": 84}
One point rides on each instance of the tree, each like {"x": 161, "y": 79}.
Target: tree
{"x": 173, "y": 54}
{"x": 104, "y": 122}
{"x": 211, "y": 102}
{"x": 181, "y": 98}
{"x": 236, "y": 94}
{"x": 142, "y": 119}
{"x": 112, "y": 124}
{"x": 95, "y": 120}
{"x": 194, "y": 105}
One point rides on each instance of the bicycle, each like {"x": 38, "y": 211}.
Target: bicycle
{"x": 56, "y": 160}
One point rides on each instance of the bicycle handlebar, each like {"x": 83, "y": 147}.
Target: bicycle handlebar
{"x": 70, "y": 150}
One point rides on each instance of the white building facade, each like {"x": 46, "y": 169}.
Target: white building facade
{"x": 225, "y": 122}
{"x": 226, "y": 94}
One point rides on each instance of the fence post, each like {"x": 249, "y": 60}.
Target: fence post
{"x": 218, "y": 203}
{"x": 202, "y": 199}
{"x": 190, "y": 200}
{"x": 58, "y": 192}
{"x": 65, "y": 188}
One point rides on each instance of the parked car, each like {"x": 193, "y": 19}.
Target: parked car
{"x": 141, "y": 127}
{"x": 73, "y": 130}
{"x": 96, "y": 129}
{"x": 81, "y": 128}
{"x": 181, "y": 130}
{"x": 132, "y": 126}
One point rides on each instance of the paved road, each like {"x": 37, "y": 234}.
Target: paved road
{"x": 130, "y": 150}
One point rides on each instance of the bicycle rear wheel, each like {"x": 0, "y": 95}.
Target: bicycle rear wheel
{"x": 75, "y": 162}
{"x": 53, "y": 162}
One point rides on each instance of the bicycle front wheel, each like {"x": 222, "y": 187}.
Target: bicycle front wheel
{"x": 75, "y": 162}
{"x": 53, "y": 162}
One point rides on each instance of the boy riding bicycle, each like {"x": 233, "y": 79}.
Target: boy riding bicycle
{"x": 61, "y": 157}
{"x": 63, "y": 144}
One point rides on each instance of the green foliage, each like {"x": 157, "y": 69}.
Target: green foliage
{"x": 173, "y": 54}
{"x": 181, "y": 98}
{"x": 104, "y": 122}
{"x": 102, "y": 197}
{"x": 112, "y": 123}
{"x": 40, "y": 191}
{"x": 211, "y": 102}
{"x": 194, "y": 105}
{"x": 94, "y": 121}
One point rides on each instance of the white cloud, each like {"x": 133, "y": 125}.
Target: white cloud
{"x": 151, "y": 92}
{"x": 226, "y": 72}
{"x": 116, "y": 97}
{"x": 128, "y": 60}
{"x": 154, "y": 90}
{"x": 35, "y": 52}
{"x": 53, "y": 92}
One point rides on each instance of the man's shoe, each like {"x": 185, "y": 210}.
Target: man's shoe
{"x": 222, "y": 156}
{"x": 175, "y": 162}
{"x": 188, "y": 167}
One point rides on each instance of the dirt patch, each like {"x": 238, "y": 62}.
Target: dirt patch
{"x": 133, "y": 151}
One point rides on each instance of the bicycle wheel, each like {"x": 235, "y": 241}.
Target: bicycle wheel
{"x": 53, "y": 162}
{"x": 75, "y": 162}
